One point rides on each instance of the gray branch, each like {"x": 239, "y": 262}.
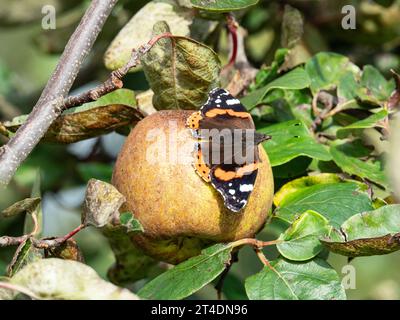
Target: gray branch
{"x": 49, "y": 105}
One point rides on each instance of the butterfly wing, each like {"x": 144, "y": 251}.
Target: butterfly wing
{"x": 233, "y": 180}
{"x": 220, "y": 111}
{"x": 235, "y": 191}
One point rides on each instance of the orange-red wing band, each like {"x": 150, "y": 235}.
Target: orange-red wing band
{"x": 218, "y": 111}
{"x": 223, "y": 175}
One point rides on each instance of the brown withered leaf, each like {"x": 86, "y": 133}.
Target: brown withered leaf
{"x": 139, "y": 29}
{"x": 102, "y": 202}
{"x": 369, "y": 233}
{"x": 365, "y": 247}
{"x": 25, "y": 205}
{"x": 69, "y": 250}
{"x": 180, "y": 71}
{"x": 110, "y": 112}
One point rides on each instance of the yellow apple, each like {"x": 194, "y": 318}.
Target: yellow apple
{"x": 181, "y": 213}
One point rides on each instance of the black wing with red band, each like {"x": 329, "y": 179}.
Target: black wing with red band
{"x": 234, "y": 181}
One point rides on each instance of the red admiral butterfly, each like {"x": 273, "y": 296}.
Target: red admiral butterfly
{"x": 226, "y": 153}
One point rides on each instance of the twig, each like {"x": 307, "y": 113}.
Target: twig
{"x": 44, "y": 243}
{"x": 245, "y": 73}
{"x": 255, "y": 243}
{"x": 266, "y": 262}
{"x": 314, "y": 105}
{"x": 49, "y": 106}
{"x": 35, "y": 223}
{"x": 232, "y": 26}
{"x": 114, "y": 81}
{"x": 6, "y": 241}
{"x": 239, "y": 71}
{"x": 264, "y": 259}
{"x": 51, "y": 243}
{"x": 329, "y": 101}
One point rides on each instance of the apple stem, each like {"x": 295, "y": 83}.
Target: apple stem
{"x": 254, "y": 242}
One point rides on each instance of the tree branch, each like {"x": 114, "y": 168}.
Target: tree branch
{"x": 49, "y": 105}
{"x": 114, "y": 81}
{"x": 44, "y": 243}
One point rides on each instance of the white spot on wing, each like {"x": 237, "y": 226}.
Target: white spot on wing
{"x": 232, "y": 101}
{"x": 231, "y": 191}
{"x": 245, "y": 187}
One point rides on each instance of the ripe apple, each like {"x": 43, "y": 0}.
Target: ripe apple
{"x": 180, "y": 213}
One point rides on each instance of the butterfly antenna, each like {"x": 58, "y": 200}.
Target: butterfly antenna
{"x": 260, "y": 137}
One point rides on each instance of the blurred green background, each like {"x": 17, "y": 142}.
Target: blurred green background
{"x": 28, "y": 55}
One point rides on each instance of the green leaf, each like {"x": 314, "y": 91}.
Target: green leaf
{"x": 131, "y": 263}
{"x": 295, "y": 79}
{"x": 180, "y": 71}
{"x": 29, "y": 224}
{"x": 368, "y": 233}
{"x": 138, "y": 30}
{"x": 284, "y": 105}
{"x": 190, "y": 275}
{"x": 336, "y": 201}
{"x": 93, "y": 170}
{"x": 326, "y": 70}
{"x": 26, "y": 205}
{"x": 233, "y": 288}
{"x": 24, "y": 255}
{"x": 374, "y": 87}
{"x": 290, "y": 140}
{"x": 268, "y": 73}
{"x": 298, "y": 184}
{"x": 347, "y": 87}
{"x": 345, "y": 156}
{"x": 223, "y": 5}
{"x": 127, "y": 219}
{"x": 301, "y": 239}
{"x": 312, "y": 280}
{"x": 369, "y": 122}
{"x": 292, "y": 169}
{"x": 108, "y": 113}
